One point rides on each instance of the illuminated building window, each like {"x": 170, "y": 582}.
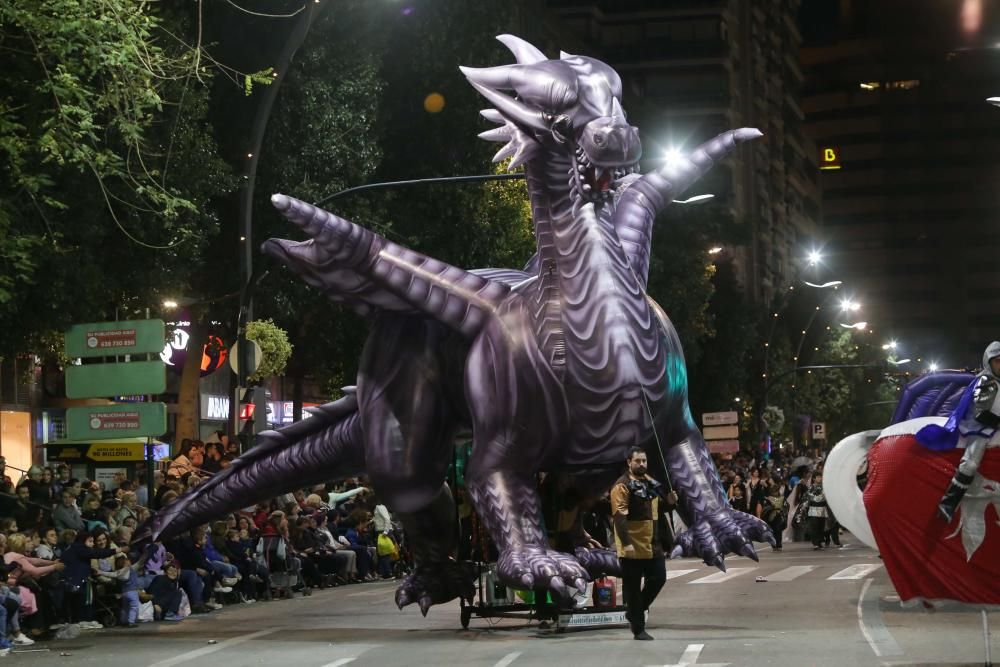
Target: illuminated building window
{"x": 907, "y": 84}
{"x": 870, "y": 85}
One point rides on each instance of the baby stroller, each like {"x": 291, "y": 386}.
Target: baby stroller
{"x": 107, "y": 602}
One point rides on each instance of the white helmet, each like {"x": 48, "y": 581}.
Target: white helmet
{"x": 992, "y": 351}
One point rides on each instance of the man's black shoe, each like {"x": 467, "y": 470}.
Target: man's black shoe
{"x": 199, "y": 609}
{"x": 644, "y": 636}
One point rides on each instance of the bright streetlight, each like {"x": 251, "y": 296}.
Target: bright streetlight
{"x": 860, "y": 326}
{"x": 932, "y": 367}
{"x": 891, "y": 345}
{"x": 898, "y": 363}
{"x": 814, "y": 258}
{"x": 170, "y": 304}
{"x": 832, "y": 283}
{"x": 673, "y": 156}
{"x": 848, "y": 305}
{"x": 715, "y": 251}
{"x": 697, "y": 199}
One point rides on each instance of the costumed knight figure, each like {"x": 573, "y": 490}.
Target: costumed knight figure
{"x": 978, "y": 424}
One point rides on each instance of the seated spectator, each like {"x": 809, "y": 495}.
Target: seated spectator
{"x": 188, "y": 460}
{"x": 27, "y": 574}
{"x": 79, "y": 597}
{"x": 94, "y": 515}
{"x": 8, "y": 526}
{"x": 61, "y": 481}
{"x": 240, "y": 553}
{"x": 246, "y": 527}
{"x": 104, "y": 566}
{"x": 166, "y": 591}
{"x": 39, "y": 489}
{"x": 67, "y": 514}
{"x": 49, "y": 548}
{"x": 129, "y": 508}
{"x": 213, "y": 458}
{"x": 27, "y": 513}
{"x": 167, "y": 498}
{"x": 190, "y": 554}
{"x": 346, "y": 558}
{"x": 170, "y": 483}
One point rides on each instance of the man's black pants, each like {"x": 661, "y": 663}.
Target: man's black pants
{"x": 638, "y": 598}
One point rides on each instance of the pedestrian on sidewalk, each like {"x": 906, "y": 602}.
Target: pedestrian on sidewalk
{"x": 637, "y": 501}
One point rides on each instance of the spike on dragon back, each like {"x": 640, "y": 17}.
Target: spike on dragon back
{"x": 556, "y": 368}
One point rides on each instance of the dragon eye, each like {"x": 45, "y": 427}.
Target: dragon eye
{"x": 562, "y": 129}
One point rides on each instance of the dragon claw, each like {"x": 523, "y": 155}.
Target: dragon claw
{"x": 535, "y": 566}
{"x": 719, "y": 561}
{"x": 581, "y": 584}
{"x": 432, "y": 584}
{"x": 559, "y": 588}
{"x": 425, "y": 604}
{"x": 748, "y": 551}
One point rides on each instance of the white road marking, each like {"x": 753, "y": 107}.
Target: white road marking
{"x": 673, "y": 574}
{"x": 691, "y": 654}
{"x": 790, "y": 573}
{"x": 507, "y": 659}
{"x": 191, "y": 655}
{"x": 859, "y": 571}
{"x": 874, "y": 630}
{"x": 720, "y": 577}
{"x": 690, "y": 658}
{"x": 338, "y": 663}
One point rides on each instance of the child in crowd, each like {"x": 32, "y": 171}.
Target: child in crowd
{"x": 125, "y": 572}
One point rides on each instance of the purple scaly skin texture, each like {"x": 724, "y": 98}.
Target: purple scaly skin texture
{"x": 564, "y": 367}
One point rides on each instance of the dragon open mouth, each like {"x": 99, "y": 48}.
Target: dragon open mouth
{"x": 598, "y": 181}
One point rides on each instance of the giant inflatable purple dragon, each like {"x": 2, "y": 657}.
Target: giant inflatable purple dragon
{"x": 559, "y": 368}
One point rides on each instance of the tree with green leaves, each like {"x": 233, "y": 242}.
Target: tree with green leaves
{"x": 108, "y": 164}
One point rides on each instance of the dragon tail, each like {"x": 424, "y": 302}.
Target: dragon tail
{"x": 327, "y": 446}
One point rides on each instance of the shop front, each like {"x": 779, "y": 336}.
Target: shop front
{"x": 102, "y": 460}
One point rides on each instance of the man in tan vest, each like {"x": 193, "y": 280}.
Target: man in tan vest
{"x": 636, "y": 503}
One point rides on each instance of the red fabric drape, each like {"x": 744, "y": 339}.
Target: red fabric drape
{"x": 905, "y": 483}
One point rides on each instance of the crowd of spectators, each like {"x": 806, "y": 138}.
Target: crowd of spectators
{"x": 789, "y": 497}
{"x": 71, "y": 564}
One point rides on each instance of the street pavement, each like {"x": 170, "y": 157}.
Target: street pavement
{"x": 832, "y": 607}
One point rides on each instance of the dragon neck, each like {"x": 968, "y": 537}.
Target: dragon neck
{"x": 583, "y": 275}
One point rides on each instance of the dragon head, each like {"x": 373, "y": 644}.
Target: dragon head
{"x": 569, "y": 106}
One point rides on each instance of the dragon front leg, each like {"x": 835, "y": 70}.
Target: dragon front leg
{"x": 714, "y": 528}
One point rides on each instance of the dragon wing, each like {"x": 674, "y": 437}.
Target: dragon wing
{"x": 359, "y": 268}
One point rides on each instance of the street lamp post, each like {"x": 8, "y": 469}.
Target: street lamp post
{"x": 814, "y": 259}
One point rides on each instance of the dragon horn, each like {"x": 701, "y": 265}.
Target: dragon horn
{"x": 617, "y": 113}
{"x": 509, "y": 107}
{"x": 524, "y": 52}
{"x": 493, "y": 116}
{"x": 564, "y": 56}
{"x": 496, "y": 134}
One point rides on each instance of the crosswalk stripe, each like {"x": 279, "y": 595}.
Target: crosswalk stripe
{"x": 859, "y": 571}
{"x": 673, "y": 574}
{"x": 790, "y": 573}
{"x": 720, "y": 577}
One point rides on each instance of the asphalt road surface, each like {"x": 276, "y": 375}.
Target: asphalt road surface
{"x": 833, "y": 607}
